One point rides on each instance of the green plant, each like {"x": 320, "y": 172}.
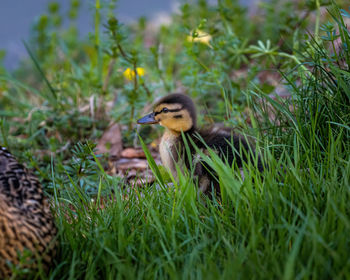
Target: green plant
{"x": 290, "y": 221}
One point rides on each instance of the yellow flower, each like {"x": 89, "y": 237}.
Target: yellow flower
{"x": 202, "y": 37}
{"x": 129, "y": 74}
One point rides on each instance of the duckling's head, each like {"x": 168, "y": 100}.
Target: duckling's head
{"x": 175, "y": 112}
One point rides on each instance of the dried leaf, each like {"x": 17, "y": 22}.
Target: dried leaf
{"x": 126, "y": 164}
{"x": 111, "y": 141}
{"x": 133, "y": 153}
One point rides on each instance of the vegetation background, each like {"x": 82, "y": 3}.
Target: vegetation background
{"x": 280, "y": 75}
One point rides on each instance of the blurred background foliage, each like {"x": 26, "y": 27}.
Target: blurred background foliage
{"x": 72, "y": 88}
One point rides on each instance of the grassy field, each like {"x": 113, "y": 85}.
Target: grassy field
{"x": 289, "y": 222}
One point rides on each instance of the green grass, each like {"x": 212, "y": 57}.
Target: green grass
{"x": 292, "y": 221}
{"x": 289, "y": 224}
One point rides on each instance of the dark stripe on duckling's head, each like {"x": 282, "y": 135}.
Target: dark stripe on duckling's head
{"x": 176, "y": 112}
{"x": 166, "y": 110}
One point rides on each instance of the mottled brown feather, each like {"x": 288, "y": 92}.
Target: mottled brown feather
{"x": 26, "y": 222}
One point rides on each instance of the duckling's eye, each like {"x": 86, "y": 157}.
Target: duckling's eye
{"x": 165, "y": 110}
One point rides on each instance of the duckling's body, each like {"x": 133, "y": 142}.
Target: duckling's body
{"x": 167, "y": 150}
{"x": 26, "y": 222}
{"x": 176, "y": 112}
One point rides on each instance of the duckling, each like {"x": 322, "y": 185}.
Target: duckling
{"x": 26, "y": 222}
{"x": 177, "y": 113}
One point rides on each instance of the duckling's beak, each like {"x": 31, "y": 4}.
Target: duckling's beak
{"x": 148, "y": 119}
